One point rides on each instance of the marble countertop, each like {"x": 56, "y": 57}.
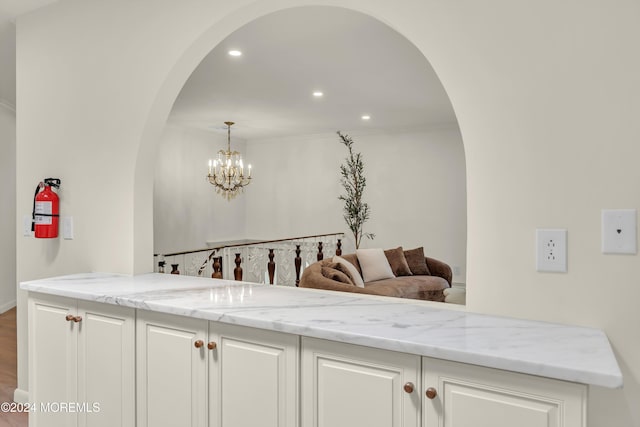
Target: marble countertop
{"x": 565, "y": 352}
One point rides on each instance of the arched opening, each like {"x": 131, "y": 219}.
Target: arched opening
{"x": 423, "y": 205}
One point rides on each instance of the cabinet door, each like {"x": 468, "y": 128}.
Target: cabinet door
{"x": 472, "y": 396}
{"x": 106, "y": 365}
{"x": 345, "y": 385}
{"x": 52, "y": 360}
{"x": 253, "y": 377}
{"x": 171, "y": 370}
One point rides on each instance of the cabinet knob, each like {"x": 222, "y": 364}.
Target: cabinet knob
{"x": 77, "y": 319}
{"x": 69, "y": 317}
{"x": 431, "y": 393}
{"x": 408, "y": 387}
{"x": 212, "y": 345}
{"x": 198, "y": 343}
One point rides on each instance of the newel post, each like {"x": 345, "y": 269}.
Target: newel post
{"x": 237, "y": 272}
{"x": 217, "y": 268}
{"x": 271, "y": 267}
{"x": 298, "y": 264}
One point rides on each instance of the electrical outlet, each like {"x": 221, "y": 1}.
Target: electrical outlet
{"x": 551, "y": 250}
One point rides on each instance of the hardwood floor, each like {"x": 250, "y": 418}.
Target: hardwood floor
{"x": 8, "y": 368}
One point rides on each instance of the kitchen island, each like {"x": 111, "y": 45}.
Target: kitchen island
{"x": 289, "y": 357}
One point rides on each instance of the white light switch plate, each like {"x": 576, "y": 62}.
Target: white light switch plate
{"x": 26, "y": 225}
{"x": 67, "y": 227}
{"x": 619, "y": 231}
{"x": 551, "y": 250}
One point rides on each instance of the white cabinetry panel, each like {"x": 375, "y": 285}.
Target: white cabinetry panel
{"x": 106, "y": 365}
{"x": 82, "y": 363}
{"x": 254, "y": 377}
{"x": 53, "y": 359}
{"x": 345, "y": 385}
{"x": 172, "y": 386}
{"x": 472, "y": 396}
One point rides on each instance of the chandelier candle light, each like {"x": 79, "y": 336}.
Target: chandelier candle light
{"x": 226, "y": 172}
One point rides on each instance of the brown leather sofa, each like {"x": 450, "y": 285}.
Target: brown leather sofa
{"x": 416, "y": 286}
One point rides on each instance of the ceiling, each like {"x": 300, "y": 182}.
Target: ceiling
{"x": 361, "y": 65}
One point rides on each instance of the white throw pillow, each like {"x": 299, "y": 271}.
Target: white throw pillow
{"x": 353, "y": 271}
{"x": 374, "y": 265}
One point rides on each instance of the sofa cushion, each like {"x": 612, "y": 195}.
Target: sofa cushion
{"x": 416, "y": 261}
{"x": 353, "y": 259}
{"x": 417, "y": 287}
{"x": 398, "y": 262}
{"x": 354, "y": 274}
{"x": 374, "y": 265}
{"x": 335, "y": 274}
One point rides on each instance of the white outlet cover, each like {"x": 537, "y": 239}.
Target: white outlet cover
{"x": 619, "y": 231}
{"x": 551, "y": 250}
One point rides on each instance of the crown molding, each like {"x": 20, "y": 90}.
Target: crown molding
{"x": 8, "y": 105}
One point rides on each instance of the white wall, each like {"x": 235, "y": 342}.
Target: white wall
{"x": 186, "y": 210}
{"x": 423, "y": 203}
{"x": 7, "y": 61}
{"x": 545, "y": 95}
{"x": 7, "y": 208}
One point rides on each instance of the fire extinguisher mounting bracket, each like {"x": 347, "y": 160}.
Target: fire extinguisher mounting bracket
{"x": 53, "y": 182}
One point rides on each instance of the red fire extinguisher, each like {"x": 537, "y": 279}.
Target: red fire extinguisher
{"x": 46, "y": 209}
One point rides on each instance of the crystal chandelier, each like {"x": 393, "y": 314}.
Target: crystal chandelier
{"x": 226, "y": 172}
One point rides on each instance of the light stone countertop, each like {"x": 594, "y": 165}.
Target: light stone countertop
{"x": 564, "y": 352}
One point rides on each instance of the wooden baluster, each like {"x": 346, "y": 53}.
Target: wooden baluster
{"x": 339, "y": 247}
{"x": 298, "y": 263}
{"x": 271, "y": 266}
{"x": 320, "y": 255}
{"x": 174, "y": 269}
{"x": 217, "y": 268}
{"x": 237, "y": 272}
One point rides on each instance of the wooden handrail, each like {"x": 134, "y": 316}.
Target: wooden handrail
{"x": 216, "y": 260}
{"x": 257, "y": 242}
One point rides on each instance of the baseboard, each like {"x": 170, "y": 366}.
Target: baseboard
{"x": 20, "y": 396}
{"x": 7, "y": 306}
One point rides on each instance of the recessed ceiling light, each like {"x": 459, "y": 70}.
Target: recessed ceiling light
{"x": 235, "y": 53}
{"x": 365, "y": 117}
{"x": 317, "y": 94}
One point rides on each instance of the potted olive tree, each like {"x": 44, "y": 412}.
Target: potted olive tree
{"x": 355, "y": 211}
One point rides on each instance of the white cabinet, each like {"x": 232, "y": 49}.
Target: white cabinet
{"x": 81, "y": 362}
{"x": 253, "y": 377}
{"x": 345, "y": 385}
{"x": 171, "y": 370}
{"x": 197, "y": 373}
{"x": 99, "y": 365}
{"x": 472, "y": 396}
